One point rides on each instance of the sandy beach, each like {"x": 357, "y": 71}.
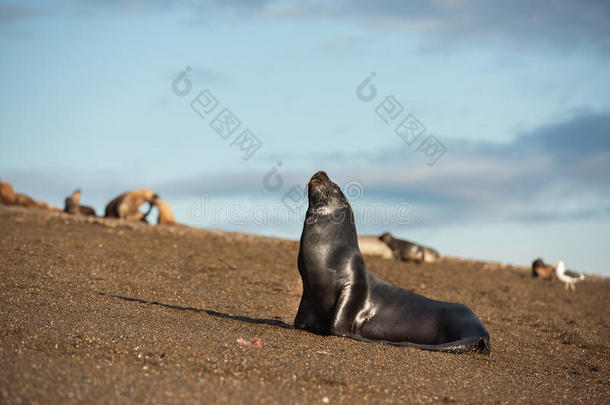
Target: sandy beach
{"x": 104, "y": 311}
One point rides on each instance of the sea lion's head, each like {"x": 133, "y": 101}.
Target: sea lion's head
{"x": 535, "y": 265}
{"x": 148, "y": 195}
{"x": 324, "y": 195}
{"x": 386, "y": 237}
{"x": 76, "y": 196}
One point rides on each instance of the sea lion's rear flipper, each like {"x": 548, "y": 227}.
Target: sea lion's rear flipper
{"x": 478, "y": 344}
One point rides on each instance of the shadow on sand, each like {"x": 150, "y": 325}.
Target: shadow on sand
{"x": 271, "y": 322}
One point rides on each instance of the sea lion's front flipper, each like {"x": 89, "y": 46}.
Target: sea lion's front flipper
{"x": 306, "y": 319}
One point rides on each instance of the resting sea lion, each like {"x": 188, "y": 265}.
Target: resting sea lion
{"x": 403, "y": 249}
{"x": 9, "y": 197}
{"x": 406, "y": 250}
{"x": 342, "y": 297}
{"x": 166, "y": 215}
{"x": 43, "y": 205}
{"x": 25, "y": 201}
{"x": 545, "y": 271}
{"x": 126, "y": 205}
{"x": 372, "y": 246}
{"x": 72, "y": 205}
{"x": 7, "y": 194}
{"x": 430, "y": 255}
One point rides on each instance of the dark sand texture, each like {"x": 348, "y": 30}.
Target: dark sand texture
{"x": 100, "y": 311}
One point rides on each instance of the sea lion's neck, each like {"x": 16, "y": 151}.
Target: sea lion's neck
{"x": 330, "y": 223}
{"x": 330, "y": 208}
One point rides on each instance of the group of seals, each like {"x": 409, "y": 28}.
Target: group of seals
{"x": 342, "y": 297}
{"x": 8, "y": 196}
{"x": 409, "y": 251}
{"x": 126, "y": 205}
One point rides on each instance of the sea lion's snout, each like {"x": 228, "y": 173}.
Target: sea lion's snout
{"x": 319, "y": 179}
{"x": 324, "y": 193}
{"x": 318, "y": 187}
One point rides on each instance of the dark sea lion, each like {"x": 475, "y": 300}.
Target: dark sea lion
{"x": 71, "y": 203}
{"x": 73, "y": 206}
{"x": 127, "y": 204}
{"x": 543, "y": 270}
{"x": 342, "y": 297}
{"x": 403, "y": 249}
{"x": 86, "y": 210}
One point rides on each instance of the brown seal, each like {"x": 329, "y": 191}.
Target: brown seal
{"x": 126, "y": 205}
{"x": 25, "y": 201}
{"x": 7, "y": 194}
{"x": 166, "y": 215}
{"x": 73, "y": 206}
{"x": 371, "y": 245}
{"x": 430, "y": 255}
{"x": 9, "y": 197}
{"x": 543, "y": 270}
{"x": 409, "y": 251}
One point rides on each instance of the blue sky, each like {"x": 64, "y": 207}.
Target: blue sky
{"x": 518, "y": 94}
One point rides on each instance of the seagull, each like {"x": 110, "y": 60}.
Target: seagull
{"x": 568, "y": 277}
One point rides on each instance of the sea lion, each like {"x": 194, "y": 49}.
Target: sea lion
{"x": 166, "y": 215}
{"x": 72, "y": 205}
{"x": 372, "y": 246}
{"x": 86, "y": 210}
{"x": 7, "y": 193}
{"x": 127, "y": 204}
{"x": 43, "y": 205}
{"x": 403, "y": 249}
{"x": 543, "y": 270}
{"x": 342, "y": 297}
{"x": 9, "y": 197}
{"x": 25, "y": 201}
{"x": 430, "y": 255}
{"x": 409, "y": 251}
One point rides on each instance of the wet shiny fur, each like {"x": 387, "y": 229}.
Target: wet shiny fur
{"x": 342, "y": 297}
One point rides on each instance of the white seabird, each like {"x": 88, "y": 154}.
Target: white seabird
{"x": 570, "y": 278}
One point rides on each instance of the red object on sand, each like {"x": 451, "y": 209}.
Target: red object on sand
{"x": 252, "y": 343}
